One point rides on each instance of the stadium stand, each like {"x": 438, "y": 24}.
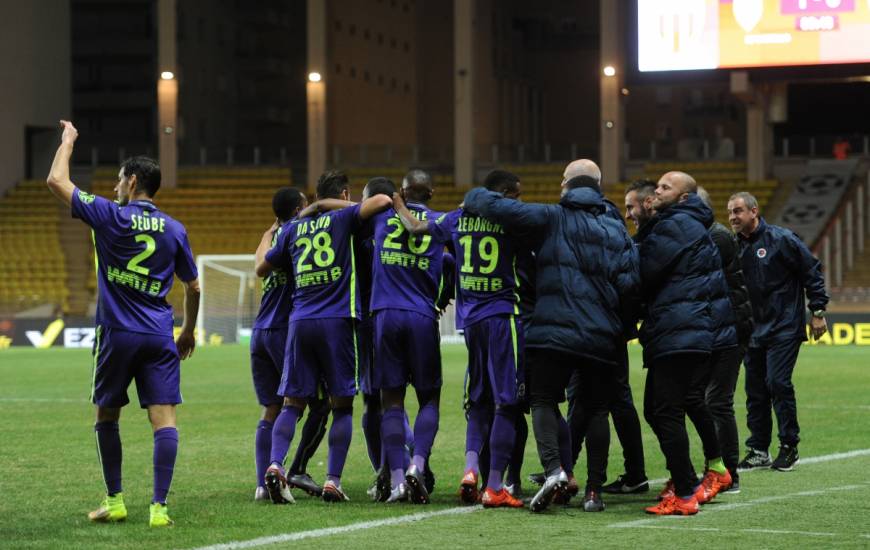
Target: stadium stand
{"x": 226, "y": 209}
{"x": 32, "y": 269}
{"x": 540, "y": 183}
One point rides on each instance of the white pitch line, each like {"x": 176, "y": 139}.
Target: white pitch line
{"x": 316, "y": 533}
{"x": 735, "y": 505}
{"x": 765, "y": 531}
{"x": 835, "y": 456}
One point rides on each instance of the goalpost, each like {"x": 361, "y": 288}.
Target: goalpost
{"x": 230, "y": 298}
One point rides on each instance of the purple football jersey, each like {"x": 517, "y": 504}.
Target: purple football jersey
{"x": 277, "y": 300}
{"x": 406, "y": 270}
{"x": 320, "y": 253}
{"x": 486, "y": 280}
{"x": 138, "y": 248}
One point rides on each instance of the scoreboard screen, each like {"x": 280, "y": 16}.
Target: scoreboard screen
{"x": 676, "y": 35}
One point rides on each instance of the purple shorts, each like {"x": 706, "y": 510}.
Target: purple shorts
{"x": 121, "y": 356}
{"x": 267, "y": 363}
{"x": 320, "y": 352}
{"x": 365, "y": 343}
{"x": 407, "y": 349}
{"x": 495, "y": 360}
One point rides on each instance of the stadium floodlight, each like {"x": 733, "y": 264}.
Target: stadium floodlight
{"x": 167, "y": 75}
{"x": 609, "y": 70}
{"x": 314, "y": 76}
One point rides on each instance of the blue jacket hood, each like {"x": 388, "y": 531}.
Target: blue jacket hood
{"x": 583, "y": 197}
{"x": 694, "y": 207}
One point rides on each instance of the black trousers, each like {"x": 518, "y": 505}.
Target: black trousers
{"x": 675, "y": 387}
{"x": 724, "y": 370}
{"x": 550, "y": 372}
{"x": 625, "y": 421}
{"x": 768, "y": 382}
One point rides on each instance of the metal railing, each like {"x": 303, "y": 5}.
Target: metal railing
{"x": 846, "y": 234}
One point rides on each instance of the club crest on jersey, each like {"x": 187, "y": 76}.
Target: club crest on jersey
{"x": 761, "y": 253}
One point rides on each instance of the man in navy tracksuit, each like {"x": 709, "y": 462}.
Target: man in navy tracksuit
{"x": 779, "y": 269}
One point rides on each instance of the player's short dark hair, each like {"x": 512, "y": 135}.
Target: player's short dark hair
{"x": 645, "y": 187}
{"x": 417, "y": 186}
{"x": 331, "y": 184}
{"x": 416, "y": 176}
{"x": 147, "y": 173}
{"x": 501, "y": 181}
{"x": 381, "y": 186}
{"x": 285, "y": 201}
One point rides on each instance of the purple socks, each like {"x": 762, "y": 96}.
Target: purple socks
{"x": 371, "y": 425}
{"x": 478, "y": 426}
{"x": 165, "y": 451}
{"x": 282, "y": 433}
{"x": 393, "y": 440}
{"x": 339, "y": 441}
{"x": 501, "y": 444}
{"x": 425, "y": 428}
{"x": 262, "y": 448}
{"x": 109, "y": 453}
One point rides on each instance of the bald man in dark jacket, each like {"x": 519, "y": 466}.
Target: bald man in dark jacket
{"x": 586, "y": 287}
{"x": 681, "y": 277}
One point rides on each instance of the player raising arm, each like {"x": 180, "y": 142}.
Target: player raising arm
{"x": 139, "y": 249}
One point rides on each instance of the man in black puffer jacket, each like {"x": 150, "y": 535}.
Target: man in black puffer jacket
{"x": 725, "y": 363}
{"x": 681, "y": 279}
{"x": 586, "y": 294}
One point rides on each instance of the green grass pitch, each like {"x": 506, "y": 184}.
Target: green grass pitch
{"x": 51, "y": 477}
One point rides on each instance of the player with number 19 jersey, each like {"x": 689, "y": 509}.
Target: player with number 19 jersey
{"x": 487, "y": 308}
{"x": 139, "y": 249}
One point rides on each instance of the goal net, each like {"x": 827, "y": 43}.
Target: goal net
{"x": 230, "y": 299}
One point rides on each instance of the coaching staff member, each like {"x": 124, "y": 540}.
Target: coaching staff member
{"x": 679, "y": 269}
{"x": 779, "y": 269}
{"x": 586, "y": 282}
{"x": 725, "y": 362}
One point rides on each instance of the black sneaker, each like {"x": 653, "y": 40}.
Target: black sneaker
{"x": 732, "y": 489}
{"x": 592, "y": 501}
{"x": 429, "y": 479}
{"x": 625, "y": 486}
{"x": 787, "y": 458}
{"x": 754, "y": 459}
{"x": 538, "y": 479}
{"x": 303, "y": 481}
{"x": 383, "y": 488}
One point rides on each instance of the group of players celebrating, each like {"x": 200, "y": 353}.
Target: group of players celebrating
{"x": 547, "y": 297}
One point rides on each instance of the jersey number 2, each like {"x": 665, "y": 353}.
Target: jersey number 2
{"x": 150, "y": 247}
